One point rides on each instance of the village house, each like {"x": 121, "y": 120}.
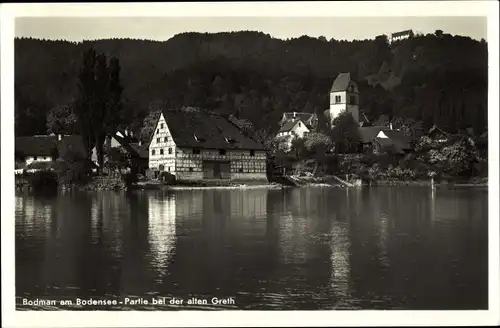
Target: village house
{"x": 126, "y": 141}
{"x": 295, "y": 126}
{"x": 191, "y": 144}
{"x": 40, "y": 151}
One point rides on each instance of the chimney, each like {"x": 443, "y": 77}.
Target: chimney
{"x": 59, "y": 137}
{"x": 140, "y": 142}
{"x": 126, "y": 133}
{"x": 390, "y": 126}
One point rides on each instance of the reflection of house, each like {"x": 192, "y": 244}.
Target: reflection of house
{"x": 401, "y": 35}
{"x": 193, "y": 145}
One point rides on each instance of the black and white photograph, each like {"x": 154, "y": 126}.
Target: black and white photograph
{"x": 325, "y": 157}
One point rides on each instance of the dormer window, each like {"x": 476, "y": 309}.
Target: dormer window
{"x": 198, "y": 139}
{"x": 229, "y": 140}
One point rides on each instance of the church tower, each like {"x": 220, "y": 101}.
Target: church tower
{"x": 344, "y": 96}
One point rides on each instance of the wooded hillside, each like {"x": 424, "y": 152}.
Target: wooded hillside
{"x": 436, "y": 78}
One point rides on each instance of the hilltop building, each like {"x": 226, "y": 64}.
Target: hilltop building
{"x": 398, "y": 36}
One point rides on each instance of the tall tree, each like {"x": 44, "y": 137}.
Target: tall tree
{"x": 99, "y": 102}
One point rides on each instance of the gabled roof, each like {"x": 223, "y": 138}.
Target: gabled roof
{"x": 195, "y": 128}
{"x": 402, "y": 33}
{"x": 36, "y": 145}
{"x": 341, "y": 82}
{"x": 399, "y": 139}
{"x": 288, "y": 126}
{"x": 367, "y": 134}
{"x": 140, "y": 151}
{"x": 304, "y": 117}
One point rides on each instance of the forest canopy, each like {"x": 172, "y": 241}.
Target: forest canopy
{"x": 435, "y": 78}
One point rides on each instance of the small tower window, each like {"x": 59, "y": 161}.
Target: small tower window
{"x": 337, "y": 99}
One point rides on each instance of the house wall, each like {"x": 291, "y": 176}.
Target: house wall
{"x": 158, "y": 143}
{"x": 337, "y": 107}
{"x": 242, "y": 166}
{"x": 299, "y": 129}
{"x": 31, "y": 159}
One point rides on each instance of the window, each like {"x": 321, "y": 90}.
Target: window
{"x": 240, "y": 170}
{"x": 337, "y": 99}
{"x": 157, "y": 131}
{"x": 196, "y": 151}
{"x": 161, "y": 151}
{"x": 352, "y": 100}
{"x": 169, "y": 169}
{"x": 170, "y": 150}
{"x": 252, "y": 152}
{"x": 299, "y": 124}
{"x": 157, "y": 140}
{"x": 35, "y": 158}
{"x": 222, "y": 152}
{"x": 190, "y": 169}
{"x": 152, "y": 152}
{"x": 161, "y": 126}
{"x": 165, "y": 139}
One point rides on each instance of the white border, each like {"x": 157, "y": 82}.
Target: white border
{"x": 12, "y": 318}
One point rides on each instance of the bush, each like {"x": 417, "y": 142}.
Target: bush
{"x": 42, "y": 181}
{"x": 167, "y": 177}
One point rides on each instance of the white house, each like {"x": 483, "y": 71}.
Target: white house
{"x": 192, "y": 144}
{"x": 344, "y": 96}
{"x": 291, "y": 130}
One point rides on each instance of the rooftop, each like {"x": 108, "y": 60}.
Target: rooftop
{"x": 195, "y": 128}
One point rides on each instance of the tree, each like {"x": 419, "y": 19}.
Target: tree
{"x": 345, "y": 132}
{"x": 62, "y": 120}
{"x": 148, "y": 125}
{"x": 98, "y": 106}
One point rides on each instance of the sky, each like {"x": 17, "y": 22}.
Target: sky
{"x": 163, "y": 28}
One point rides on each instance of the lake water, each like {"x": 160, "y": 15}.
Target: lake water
{"x": 311, "y": 248}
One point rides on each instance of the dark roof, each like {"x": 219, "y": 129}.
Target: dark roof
{"x": 304, "y": 117}
{"x": 341, "y": 82}
{"x": 195, "y": 128}
{"x": 71, "y": 143}
{"x": 400, "y": 140}
{"x": 36, "y": 145}
{"x": 287, "y": 126}
{"x": 402, "y": 33}
{"x": 367, "y": 133}
{"x": 140, "y": 151}
{"x": 435, "y": 129}
{"x": 388, "y": 144}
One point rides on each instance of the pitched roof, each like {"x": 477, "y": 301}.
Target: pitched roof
{"x": 388, "y": 144}
{"x": 304, "y": 117}
{"x": 367, "y": 133}
{"x": 71, "y": 143}
{"x": 341, "y": 82}
{"x": 195, "y": 128}
{"x": 140, "y": 151}
{"x": 402, "y": 33}
{"x": 36, "y": 145}
{"x": 287, "y": 126}
{"x": 398, "y": 138}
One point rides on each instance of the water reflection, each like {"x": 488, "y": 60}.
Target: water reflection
{"x": 407, "y": 248}
{"x": 161, "y": 232}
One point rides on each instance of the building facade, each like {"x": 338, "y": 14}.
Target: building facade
{"x": 398, "y": 36}
{"x": 344, "y": 96}
{"x": 194, "y": 145}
